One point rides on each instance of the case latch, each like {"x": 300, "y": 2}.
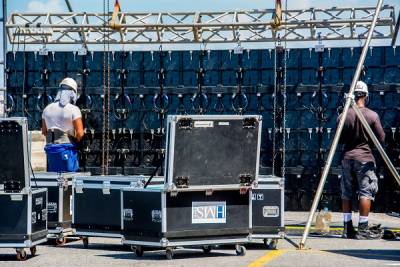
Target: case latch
{"x": 79, "y": 186}
{"x": 182, "y": 182}
{"x": 185, "y": 124}
{"x": 245, "y": 179}
{"x": 249, "y": 123}
{"x": 106, "y": 187}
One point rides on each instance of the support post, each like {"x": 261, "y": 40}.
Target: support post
{"x": 339, "y": 129}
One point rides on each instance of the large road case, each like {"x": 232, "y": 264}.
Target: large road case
{"x": 96, "y": 208}
{"x": 212, "y": 151}
{"x": 155, "y": 218}
{"x": 23, "y": 222}
{"x": 59, "y": 187}
{"x": 268, "y": 222}
{"x": 211, "y": 165}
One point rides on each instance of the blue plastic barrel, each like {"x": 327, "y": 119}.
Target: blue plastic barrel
{"x": 61, "y": 158}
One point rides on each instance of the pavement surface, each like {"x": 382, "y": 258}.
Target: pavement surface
{"x": 322, "y": 250}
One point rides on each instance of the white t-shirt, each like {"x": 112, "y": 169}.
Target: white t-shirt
{"x": 61, "y": 118}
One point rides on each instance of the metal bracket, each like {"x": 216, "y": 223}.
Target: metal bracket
{"x": 106, "y": 187}
{"x": 250, "y": 123}
{"x": 245, "y": 179}
{"x": 182, "y": 182}
{"x": 185, "y": 124}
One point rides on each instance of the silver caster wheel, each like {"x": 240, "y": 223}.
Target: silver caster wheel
{"x": 240, "y": 250}
{"x": 33, "y": 251}
{"x": 138, "y": 251}
{"x": 85, "y": 241}
{"x": 169, "y": 253}
{"x": 206, "y": 249}
{"x": 21, "y": 255}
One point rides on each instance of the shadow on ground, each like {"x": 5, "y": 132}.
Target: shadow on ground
{"x": 370, "y": 254}
{"x": 178, "y": 254}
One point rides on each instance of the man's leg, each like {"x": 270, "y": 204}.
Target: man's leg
{"x": 346, "y": 185}
{"x": 365, "y": 207}
{"x": 368, "y": 187}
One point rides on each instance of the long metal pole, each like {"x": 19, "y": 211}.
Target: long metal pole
{"x": 376, "y": 142}
{"x": 339, "y": 129}
{"x": 396, "y": 31}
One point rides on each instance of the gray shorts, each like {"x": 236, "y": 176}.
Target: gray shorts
{"x": 366, "y": 179}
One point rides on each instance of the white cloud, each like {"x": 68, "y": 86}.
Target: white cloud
{"x": 45, "y": 6}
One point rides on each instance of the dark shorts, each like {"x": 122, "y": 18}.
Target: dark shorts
{"x": 364, "y": 173}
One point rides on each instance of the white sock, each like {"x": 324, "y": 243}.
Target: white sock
{"x": 363, "y": 219}
{"x": 347, "y": 217}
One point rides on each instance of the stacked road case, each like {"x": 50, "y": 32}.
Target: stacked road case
{"x": 212, "y": 164}
{"x": 23, "y": 210}
{"x": 59, "y": 187}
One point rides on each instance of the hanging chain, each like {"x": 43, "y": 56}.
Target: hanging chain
{"x": 274, "y": 113}
{"x": 108, "y": 94}
{"x": 105, "y": 153}
{"x": 103, "y": 134}
{"x": 284, "y": 101}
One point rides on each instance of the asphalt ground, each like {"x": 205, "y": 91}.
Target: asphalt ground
{"x": 321, "y": 250}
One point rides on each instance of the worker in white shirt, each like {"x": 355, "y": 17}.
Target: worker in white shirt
{"x": 62, "y": 125}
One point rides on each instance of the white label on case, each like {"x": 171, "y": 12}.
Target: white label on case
{"x": 2, "y": 187}
{"x": 224, "y": 123}
{"x": 209, "y": 212}
{"x": 16, "y": 197}
{"x": 203, "y": 124}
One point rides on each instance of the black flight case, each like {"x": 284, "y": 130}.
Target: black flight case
{"x": 59, "y": 187}
{"x": 96, "y": 208}
{"x": 23, "y": 220}
{"x": 268, "y": 222}
{"x": 211, "y": 166}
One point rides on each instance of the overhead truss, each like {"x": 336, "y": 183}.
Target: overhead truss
{"x": 197, "y": 27}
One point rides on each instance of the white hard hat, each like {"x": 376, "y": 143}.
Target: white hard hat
{"x": 361, "y": 87}
{"x": 70, "y": 83}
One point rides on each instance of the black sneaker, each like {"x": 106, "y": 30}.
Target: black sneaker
{"x": 366, "y": 233}
{"x": 349, "y": 231}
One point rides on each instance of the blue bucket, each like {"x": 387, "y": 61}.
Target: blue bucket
{"x": 61, "y": 158}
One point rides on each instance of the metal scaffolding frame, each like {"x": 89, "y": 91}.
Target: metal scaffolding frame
{"x": 198, "y": 27}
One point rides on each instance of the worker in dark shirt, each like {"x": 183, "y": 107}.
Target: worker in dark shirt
{"x": 359, "y": 164}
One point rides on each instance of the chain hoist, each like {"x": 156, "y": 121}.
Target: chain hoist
{"x": 106, "y": 90}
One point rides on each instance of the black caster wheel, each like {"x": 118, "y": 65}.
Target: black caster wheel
{"x": 138, "y": 251}
{"x": 169, "y": 253}
{"x": 85, "y": 241}
{"x": 206, "y": 249}
{"x": 21, "y": 255}
{"x": 273, "y": 244}
{"x": 61, "y": 241}
{"x": 33, "y": 251}
{"x": 240, "y": 250}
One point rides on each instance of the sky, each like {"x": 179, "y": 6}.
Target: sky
{"x": 181, "y": 5}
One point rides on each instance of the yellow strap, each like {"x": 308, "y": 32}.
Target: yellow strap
{"x": 114, "y": 24}
{"x": 278, "y": 14}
